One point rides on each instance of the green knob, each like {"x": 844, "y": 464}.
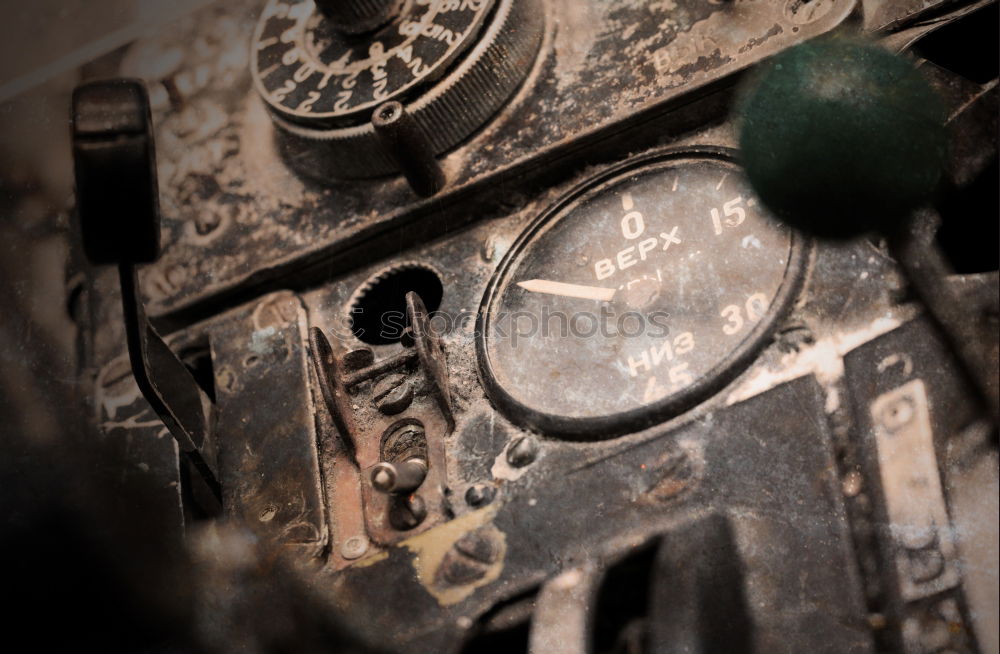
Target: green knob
{"x": 841, "y": 137}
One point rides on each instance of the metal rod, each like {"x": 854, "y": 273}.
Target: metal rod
{"x": 400, "y": 477}
{"x": 927, "y": 272}
{"x": 403, "y": 140}
{"x": 387, "y": 364}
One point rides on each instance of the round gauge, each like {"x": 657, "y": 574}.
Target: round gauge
{"x": 641, "y": 292}
{"x": 307, "y": 70}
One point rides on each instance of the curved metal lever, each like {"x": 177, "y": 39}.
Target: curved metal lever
{"x": 117, "y": 202}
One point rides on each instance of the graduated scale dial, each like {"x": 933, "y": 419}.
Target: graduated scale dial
{"x": 323, "y": 68}
{"x": 637, "y": 295}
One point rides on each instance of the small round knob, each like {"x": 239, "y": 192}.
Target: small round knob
{"x": 358, "y": 16}
{"x": 841, "y": 137}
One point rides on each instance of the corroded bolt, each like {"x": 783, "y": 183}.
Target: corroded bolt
{"x": 407, "y": 512}
{"x": 522, "y": 451}
{"x": 392, "y": 394}
{"x": 480, "y": 495}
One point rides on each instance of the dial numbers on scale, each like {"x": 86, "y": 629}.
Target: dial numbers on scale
{"x": 682, "y": 247}
{"x": 306, "y": 70}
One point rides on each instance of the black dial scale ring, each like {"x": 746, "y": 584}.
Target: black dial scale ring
{"x": 451, "y": 63}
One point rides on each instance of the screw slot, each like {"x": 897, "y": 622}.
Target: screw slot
{"x": 388, "y": 112}
{"x": 267, "y": 515}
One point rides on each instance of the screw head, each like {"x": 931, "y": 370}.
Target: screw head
{"x": 357, "y": 359}
{"x": 354, "y": 547}
{"x": 392, "y": 393}
{"x": 896, "y": 415}
{"x": 522, "y": 451}
{"x": 479, "y": 495}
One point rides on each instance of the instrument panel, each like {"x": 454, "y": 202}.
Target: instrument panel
{"x": 466, "y": 331}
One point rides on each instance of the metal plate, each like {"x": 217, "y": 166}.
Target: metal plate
{"x": 234, "y": 216}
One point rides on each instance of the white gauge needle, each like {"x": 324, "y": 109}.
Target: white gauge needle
{"x": 568, "y": 290}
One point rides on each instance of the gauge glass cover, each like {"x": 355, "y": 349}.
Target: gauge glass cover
{"x": 635, "y": 296}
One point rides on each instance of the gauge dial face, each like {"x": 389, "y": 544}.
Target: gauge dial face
{"x": 636, "y": 296}
{"x": 307, "y": 72}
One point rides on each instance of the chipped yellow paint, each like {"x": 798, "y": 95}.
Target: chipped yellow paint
{"x": 371, "y": 559}
{"x": 430, "y": 547}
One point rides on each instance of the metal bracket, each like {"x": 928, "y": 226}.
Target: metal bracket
{"x": 392, "y": 411}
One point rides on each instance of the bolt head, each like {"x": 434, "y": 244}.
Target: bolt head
{"x": 479, "y": 495}
{"x": 522, "y": 451}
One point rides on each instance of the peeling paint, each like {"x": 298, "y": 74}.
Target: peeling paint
{"x": 430, "y": 548}
{"x": 824, "y": 359}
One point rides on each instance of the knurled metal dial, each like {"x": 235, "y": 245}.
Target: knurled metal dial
{"x": 452, "y": 63}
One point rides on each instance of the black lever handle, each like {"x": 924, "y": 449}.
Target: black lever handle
{"x": 117, "y": 202}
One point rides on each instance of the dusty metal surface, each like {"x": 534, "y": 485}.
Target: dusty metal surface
{"x": 236, "y": 216}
